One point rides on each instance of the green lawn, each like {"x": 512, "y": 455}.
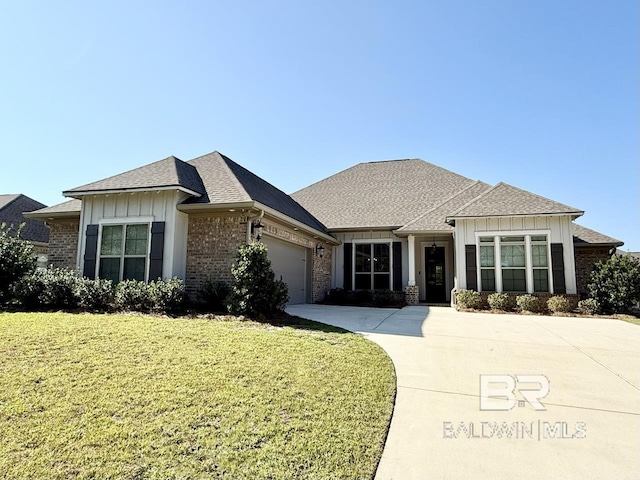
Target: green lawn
{"x": 116, "y": 396}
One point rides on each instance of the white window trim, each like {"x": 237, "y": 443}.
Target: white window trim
{"x": 527, "y": 234}
{"x": 389, "y": 242}
{"x": 124, "y": 221}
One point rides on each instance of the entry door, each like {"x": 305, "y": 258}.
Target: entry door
{"x": 436, "y": 284}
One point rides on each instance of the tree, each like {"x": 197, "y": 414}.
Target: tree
{"x": 16, "y": 259}
{"x": 255, "y": 289}
{"x": 615, "y": 284}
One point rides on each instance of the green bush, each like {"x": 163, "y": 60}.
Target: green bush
{"x": 589, "y": 306}
{"x": 16, "y": 260}
{"x": 214, "y": 295}
{"x": 468, "y": 299}
{"x": 339, "y": 296}
{"x": 500, "y": 301}
{"x": 255, "y": 289}
{"x": 95, "y": 295}
{"x": 559, "y": 304}
{"x": 167, "y": 296}
{"x": 528, "y": 303}
{"x": 133, "y": 295}
{"x": 48, "y": 289}
{"x": 615, "y": 284}
{"x": 385, "y": 298}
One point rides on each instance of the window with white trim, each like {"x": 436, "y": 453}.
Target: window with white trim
{"x": 524, "y": 263}
{"x": 372, "y": 266}
{"x": 124, "y": 251}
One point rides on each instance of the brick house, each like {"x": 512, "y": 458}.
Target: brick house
{"x": 404, "y": 225}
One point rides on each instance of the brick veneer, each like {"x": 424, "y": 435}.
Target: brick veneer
{"x": 63, "y": 243}
{"x": 412, "y": 295}
{"x": 586, "y": 258}
{"x": 212, "y": 244}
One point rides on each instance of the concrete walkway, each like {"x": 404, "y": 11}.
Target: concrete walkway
{"x": 589, "y": 430}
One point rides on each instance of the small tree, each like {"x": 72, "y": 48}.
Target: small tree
{"x": 16, "y": 259}
{"x": 615, "y": 284}
{"x": 255, "y": 289}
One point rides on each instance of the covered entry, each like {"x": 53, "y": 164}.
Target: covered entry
{"x": 289, "y": 261}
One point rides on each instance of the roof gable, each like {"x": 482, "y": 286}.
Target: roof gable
{"x": 386, "y": 194}
{"x": 169, "y": 172}
{"x": 507, "y": 200}
{"x": 12, "y": 208}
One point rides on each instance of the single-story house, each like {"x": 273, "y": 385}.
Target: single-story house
{"x": 404, "y": 225}
{"x": 12, "y": 209}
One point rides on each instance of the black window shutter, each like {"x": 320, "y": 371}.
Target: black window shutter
{"x": 397, "y": 266}
{"x": 157, "y": 250}
{"x": 348, "y": 266}
{"x": 90, "y": 252}
{"x": 557, "y": 265}
{"x": 471, "y": 266}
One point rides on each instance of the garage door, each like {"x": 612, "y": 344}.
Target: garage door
{"x": 289, "y": 261}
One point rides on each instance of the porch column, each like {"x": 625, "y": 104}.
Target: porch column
{"x": 412, "y": 295}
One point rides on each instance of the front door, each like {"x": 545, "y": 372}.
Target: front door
{"x": 434, "y": 259}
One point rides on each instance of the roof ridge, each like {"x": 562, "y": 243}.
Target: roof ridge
{"x": 475, "y": 199}
{"x": 15, "y": 197}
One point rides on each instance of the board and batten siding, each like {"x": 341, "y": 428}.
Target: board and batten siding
{"x": 147, "y": 207}
{"x": 558, "y": 226}
{"x": 337, "y": 277}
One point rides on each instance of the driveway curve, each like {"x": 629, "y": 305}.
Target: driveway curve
{"x": 586, "y": 427}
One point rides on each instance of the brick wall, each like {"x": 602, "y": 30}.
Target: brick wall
{"x": 63, "y": 243}
{"x": 212, "y": 244}
{"x": 586, "y": 257}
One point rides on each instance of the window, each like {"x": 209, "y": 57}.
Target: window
{"x": 487, "y": 264}
{"x": 372, "y": 266}
{"x": 524, "y": 263}
{"x": 123, "y": 252}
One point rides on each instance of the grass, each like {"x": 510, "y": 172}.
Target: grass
{"x": 133, "y": 397}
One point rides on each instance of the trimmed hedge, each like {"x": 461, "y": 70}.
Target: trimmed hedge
{"x": 528, "y": 303}
{"x": 500, "y": 301}
{"x": 468, "y": 299}
{"x": 559, "y": 304}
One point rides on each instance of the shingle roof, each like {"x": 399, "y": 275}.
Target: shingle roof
{"x": 380, "y": 194}
{"x": 69, "y": 207}
{"x": 435, "y": 219}
{"x": 227, "y": 182}
{"x": 170, "y": 172}
{"x": 506, "y": 200}
{"x": 583, "y": 236}
{"x": 12, "y": 209}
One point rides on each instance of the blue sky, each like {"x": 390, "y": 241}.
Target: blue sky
{"x": 540, "y": 94}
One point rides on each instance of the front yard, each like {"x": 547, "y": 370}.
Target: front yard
{"x": 122, "y": 396}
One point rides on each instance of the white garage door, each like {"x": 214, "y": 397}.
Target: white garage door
{"x": 289, "y": 261}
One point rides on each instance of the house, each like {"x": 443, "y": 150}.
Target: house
{"x": 404, "y": 225}
{"x": 12, "y": 209}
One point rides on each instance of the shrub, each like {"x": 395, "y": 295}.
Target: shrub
{"x": 16, "y": 260}
{"x": 95, "y": 295}
{"x": 167, "y": 296}
{"x": 528, "y": 303}
{"x": 559, "y": 304}
{"x": 51, "y": 288}
{"x": 255, "y": 290}
{"x": 589, "y": 306}
{"x": 385, "y": 298}
{"x": 133, "y": 295}
{"x": 362, "y": 297}
{"x": 339, "y": 296}
{"x": 214, "y": 295}
{"x": 500, "y": 301}
{"x": 615, "y": 284}
{"x": 468, "y": 299}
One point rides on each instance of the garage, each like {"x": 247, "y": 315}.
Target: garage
{"x": 289, "y": 261}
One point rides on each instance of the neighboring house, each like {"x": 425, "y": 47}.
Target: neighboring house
{"x": 405, "y": 225}
{"x": 12, "y": 208}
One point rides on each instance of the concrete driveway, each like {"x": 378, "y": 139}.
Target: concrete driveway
{"x": 590, "y": 425}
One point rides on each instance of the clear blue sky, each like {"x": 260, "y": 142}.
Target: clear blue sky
{"x": 541, "y": 94}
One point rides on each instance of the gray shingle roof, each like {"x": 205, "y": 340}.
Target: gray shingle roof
{"x": 583, "y": 236}
{"x": 12, "y": 209}
{"x": 65, "y": 208}
{"x": 505, "y": 200}
{"x": 380, "y": 194}
{"x": 435, "y": 219}
{"x": 227, "y": 182}
{"x": 170, "y": 172}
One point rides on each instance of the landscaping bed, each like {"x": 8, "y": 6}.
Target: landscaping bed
{"x": 135, "y": 396}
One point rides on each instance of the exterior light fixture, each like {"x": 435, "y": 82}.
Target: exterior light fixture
{"x": 434, "y": 247}
{"x": 320, "y": 250}
{"x": 256, "y": 229}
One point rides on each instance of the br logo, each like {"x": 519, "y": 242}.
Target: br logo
{"x": 498, "y": 392}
